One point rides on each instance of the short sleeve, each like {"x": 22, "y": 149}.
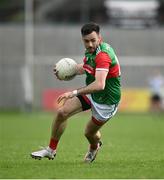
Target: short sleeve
{"x": 103, "y": 61}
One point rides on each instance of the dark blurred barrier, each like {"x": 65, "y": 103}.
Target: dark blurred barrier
{"x": 122, "y": 13}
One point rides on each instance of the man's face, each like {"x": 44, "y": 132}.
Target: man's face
{"x": 91, "y": 41}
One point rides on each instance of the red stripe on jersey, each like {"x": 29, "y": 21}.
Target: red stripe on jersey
{"x": 89, "y": 69}
{"x": 113, "y": 72}
{"x": 84, "y": 60}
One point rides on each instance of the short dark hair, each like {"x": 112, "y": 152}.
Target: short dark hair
{"x": 89, "y": 28}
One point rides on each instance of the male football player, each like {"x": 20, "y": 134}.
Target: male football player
{"x": 101, "y": 94}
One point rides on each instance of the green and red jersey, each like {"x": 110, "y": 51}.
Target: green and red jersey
{"x": 104, "y": 58}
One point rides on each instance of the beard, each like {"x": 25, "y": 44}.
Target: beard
{"x": 91, "y": 49}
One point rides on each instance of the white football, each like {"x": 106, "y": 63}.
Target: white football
{"x": 66, "y": 69}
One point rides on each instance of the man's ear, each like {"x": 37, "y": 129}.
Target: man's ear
{"x": 100, "y": 38}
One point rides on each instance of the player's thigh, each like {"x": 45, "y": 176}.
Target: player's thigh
{"x": 71, "y": 107}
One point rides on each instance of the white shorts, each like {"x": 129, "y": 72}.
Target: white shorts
{"x": 101, "y": 112}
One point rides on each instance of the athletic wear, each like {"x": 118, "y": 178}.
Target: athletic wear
{"x": 104, "y": 58}
{"x": 91, "y": 154}
{"x": 44, "y": 153}
{"x": 101, "y": 112}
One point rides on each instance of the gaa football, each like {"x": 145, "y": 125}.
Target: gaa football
{"x": 66, "y": 69}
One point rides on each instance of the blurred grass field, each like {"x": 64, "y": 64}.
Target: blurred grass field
{"x": 133, "y": 147}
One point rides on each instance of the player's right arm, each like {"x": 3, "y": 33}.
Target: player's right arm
{"x": 80, "y": 69}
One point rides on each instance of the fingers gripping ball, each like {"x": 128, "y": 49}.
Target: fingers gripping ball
{"x": 66, "y": 69}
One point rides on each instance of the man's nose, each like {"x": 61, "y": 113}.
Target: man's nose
{"x": 90, "y": 44}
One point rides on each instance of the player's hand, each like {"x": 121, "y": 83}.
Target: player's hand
{"x": 62, "y": 98}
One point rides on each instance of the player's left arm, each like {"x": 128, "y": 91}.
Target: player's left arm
{"x": 103, "y": 63}
{"x": 97, "y": 85}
